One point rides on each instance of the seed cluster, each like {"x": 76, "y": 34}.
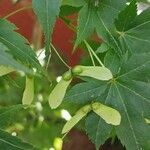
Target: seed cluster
{"x": 72, "y": 72}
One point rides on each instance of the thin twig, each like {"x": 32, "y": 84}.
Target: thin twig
{"x": 94, "y": 54}
{"x": 92, "y": 59}
{"x": 17, "y": 11}
{"x": 60, "y": 57}
{"x": 49, "y": 58}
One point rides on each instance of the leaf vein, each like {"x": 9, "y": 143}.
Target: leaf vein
{"x": 130, "y": 124}
{"x": 18, "y": 49}
{"x": 139, "y": 25}
{"x": 11, "y": 144}
{"x": 108, "y": 32}
{"x": 137, "y": 38}
{"x": 131, "y": 90}
{"x": 133, "y": 70}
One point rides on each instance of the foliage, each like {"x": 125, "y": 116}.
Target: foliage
{"x": 112, "y": 92}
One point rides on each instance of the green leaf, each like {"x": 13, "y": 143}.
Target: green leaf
{"x": 47, "y": 11}
{"x": 85, "y": 92}
{"x": 133, "y": 131}
{"x": 100, "y": 73}
{"x": 110, "y": 115}
{"x": 65, "y": 11}
{"x": 77, "y": 3}
{"x": 97, "y": 129}
{"x": 126, "y": 17}
{"x": 17, "y": 45}
{"x": 112, "y": 61}
{"x": 9, "y": 64}
{"x": 147, "y": 121}
{"x": 58, "y": 93}
{"x": 28, "y": 94}
{"x": 8, "y": 114}
{"x": 99, "y": 17}
{"x": 128, "y": 93}
{"x": 136, "y": 37}
{"x": 82, "y": 112}
{"x": 85, "y": 24}
{"x": 103, "y": 48}
{"x": 9, "y": 142}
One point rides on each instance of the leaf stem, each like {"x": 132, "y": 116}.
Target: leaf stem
{"x": 91, "y": 56}
{"x": 17, "y": 11}
{"x": 94, "y": 54}
{"x": 72, "y": 27}
{"x": 64, "y": 135}
{"x": 60, "y": 57}
{"x": 49, "y": 58}
{"x": 92, "y": 59}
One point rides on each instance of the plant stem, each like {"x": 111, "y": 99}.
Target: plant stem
{"x": 49, "y": 58}
{"x": 92, "y": 59}
{"x": 94, "y": 54}
{"x": 17, "y": 11}
{"x": 60, "y": 57}
{"x": 72, "y": 27}
{"x": 64, "y": 135}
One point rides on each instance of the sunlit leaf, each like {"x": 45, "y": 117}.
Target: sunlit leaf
{"x": 103, "y": 48}
{"x": 147, "y": 121}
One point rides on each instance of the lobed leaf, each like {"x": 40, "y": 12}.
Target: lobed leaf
{"x": 124, "y": 93}
{"x": 17, "y": 46}
{"x": 99, "y": 16}
{"x": 126, "y": 17}
{"x": 135, "y": 37}
{"x": 47, "y": 11}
